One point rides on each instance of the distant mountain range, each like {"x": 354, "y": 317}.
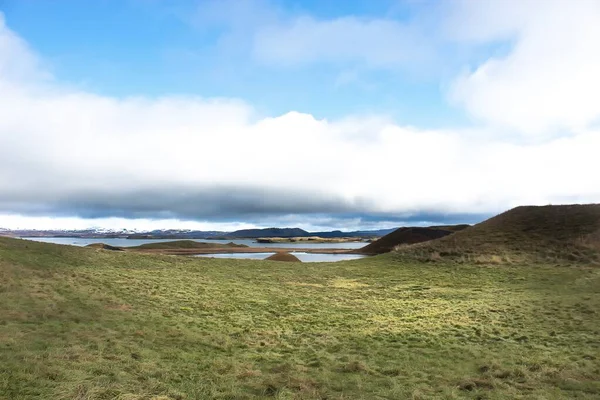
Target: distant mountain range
{"x": 297, "y": 232}
{"x": 267, "y": 232}
{"x": 190, "y": 234}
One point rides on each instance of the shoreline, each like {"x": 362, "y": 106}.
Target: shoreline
{"x": 226, "y": 250}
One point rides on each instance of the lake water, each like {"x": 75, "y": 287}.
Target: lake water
{"x": 304, "y": 257}
{"x": 248, "y": 242}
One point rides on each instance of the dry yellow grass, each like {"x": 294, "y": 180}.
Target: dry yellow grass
{"x": 80, "y": 323}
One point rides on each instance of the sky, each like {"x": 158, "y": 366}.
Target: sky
{"x": 220, "y": 115}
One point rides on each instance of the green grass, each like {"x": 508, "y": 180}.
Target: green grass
{"x": 80, "y": 323}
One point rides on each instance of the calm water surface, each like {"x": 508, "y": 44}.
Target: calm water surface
{"x": 304, "y": 257}
{"x": 248, "y": 242}
{"x": 245, "y": 256}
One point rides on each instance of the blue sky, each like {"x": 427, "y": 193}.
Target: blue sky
{"x": 149, "y": 48}
{"x": 318, "y": 114}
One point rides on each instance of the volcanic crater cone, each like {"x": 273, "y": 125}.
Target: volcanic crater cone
{"x": 563, "y": 233}
{"x": 403, "y": 236}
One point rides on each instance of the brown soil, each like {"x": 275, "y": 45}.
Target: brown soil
{"x": 283, "y": 256}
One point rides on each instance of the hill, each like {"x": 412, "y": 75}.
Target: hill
{"x": 564, "y": 233}
{"x": 408, "y": 235}
{"x": 267, "y": 232}
{"x": 104, "y": 246}
{"x": 183, "y": 244}
{"x": 189, "y": 234}
{"x": 297, "y": 232}
{"x": 309, "y": 239}
{"x": 176, "y": 234}
{"x": 283, "y": 256}
{"x": 452, "y": 228}
{"x": 340, "y": 234}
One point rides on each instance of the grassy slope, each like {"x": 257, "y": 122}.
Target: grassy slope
{"x": 184, "y": 244}
{"x": 403, "y": 236}
{"x": 104, "y": 246}
{"x": 80, "y": 323}
{"x": 552, "y": 234}
{"x": 451, "y": 228}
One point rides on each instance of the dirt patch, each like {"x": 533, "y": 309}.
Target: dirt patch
{"x": 283, "y": 256}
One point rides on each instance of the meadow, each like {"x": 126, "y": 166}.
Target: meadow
{"x": 84, "y": 323}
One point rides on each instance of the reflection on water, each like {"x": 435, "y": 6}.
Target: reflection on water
{"x": 316, "y": 257}
{"x": 247, "y": 256}
{"x": 304, "y": 257}
{"x": 248, "y": 242}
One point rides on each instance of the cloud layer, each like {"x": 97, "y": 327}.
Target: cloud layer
{"x": 376, "y": 42}
{"x": 549, "y": 81}
{"x": 67, "y": 152}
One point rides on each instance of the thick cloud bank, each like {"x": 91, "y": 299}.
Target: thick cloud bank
{"x": 67, "y": 152}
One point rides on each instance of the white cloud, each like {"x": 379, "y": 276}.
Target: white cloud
{"x": 548, "y": 82}
{"x": 544, "y": 82}
{"x": 58, "y": 144}
{"x": 379, "y": 43}
{"x": 281, "y": 38}
{"x": 17, "y": 63}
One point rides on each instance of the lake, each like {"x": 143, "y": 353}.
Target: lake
{"x": 248, "y": 242}
{"x": 304, "y": 257}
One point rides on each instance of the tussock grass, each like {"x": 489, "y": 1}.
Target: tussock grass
{"x": 80, "y": 323}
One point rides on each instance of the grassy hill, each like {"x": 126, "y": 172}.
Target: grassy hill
{"x": 80, "y": 323}
{"x": 451, "y": 228}
{"x": 267, "y": 232}
{"x": 104, "y": 246}
{"x": 409, "y": 235}
{"x": 184, "y": 244}
{"x": 283, "y": 256}
{"x": 565, "y": 233}
{"x": 402, "y": 236}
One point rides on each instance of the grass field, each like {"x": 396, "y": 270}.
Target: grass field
{"x": 79, "y": 323}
